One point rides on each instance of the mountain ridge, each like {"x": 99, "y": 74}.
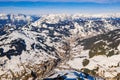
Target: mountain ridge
{"x": 38, "y": 47}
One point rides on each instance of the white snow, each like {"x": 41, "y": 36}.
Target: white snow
{"x": 118, "y": 47}
{"x": 36, "y": 56}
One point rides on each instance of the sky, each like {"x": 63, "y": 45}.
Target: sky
{"x": 39, "y": 7}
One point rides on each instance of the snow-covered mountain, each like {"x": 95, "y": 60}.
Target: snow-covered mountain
{"x": 45, "y": 46}
{"x": 98, "y": 55}
{"x": 9, "y": 22}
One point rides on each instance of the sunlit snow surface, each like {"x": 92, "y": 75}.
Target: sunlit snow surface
{"x": 72, "y": 75}
{"x": 45, "y": 38}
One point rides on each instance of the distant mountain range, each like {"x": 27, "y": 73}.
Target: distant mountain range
{"x": 37, "y": 47}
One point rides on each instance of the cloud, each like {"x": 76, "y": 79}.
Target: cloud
{"x": 96, "y": 1}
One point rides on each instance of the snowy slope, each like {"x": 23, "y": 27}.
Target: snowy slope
{"x": 10, "y": 22}
{"x": 61, "y": 41}
{"x": 82, "y": 26}
{"x": 72, "y": 75}
{"x": 98, "y": 55}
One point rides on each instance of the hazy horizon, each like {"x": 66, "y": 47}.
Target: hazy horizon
{"x": 36, "y": 7}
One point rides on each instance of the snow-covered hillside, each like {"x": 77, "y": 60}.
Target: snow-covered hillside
{"x": 60, "y": 42}
{"x": 98, "y": 55}
{"x": 9, "y": 22}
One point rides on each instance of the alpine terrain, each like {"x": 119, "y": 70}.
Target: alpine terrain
{"x": 59, "y": 47}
